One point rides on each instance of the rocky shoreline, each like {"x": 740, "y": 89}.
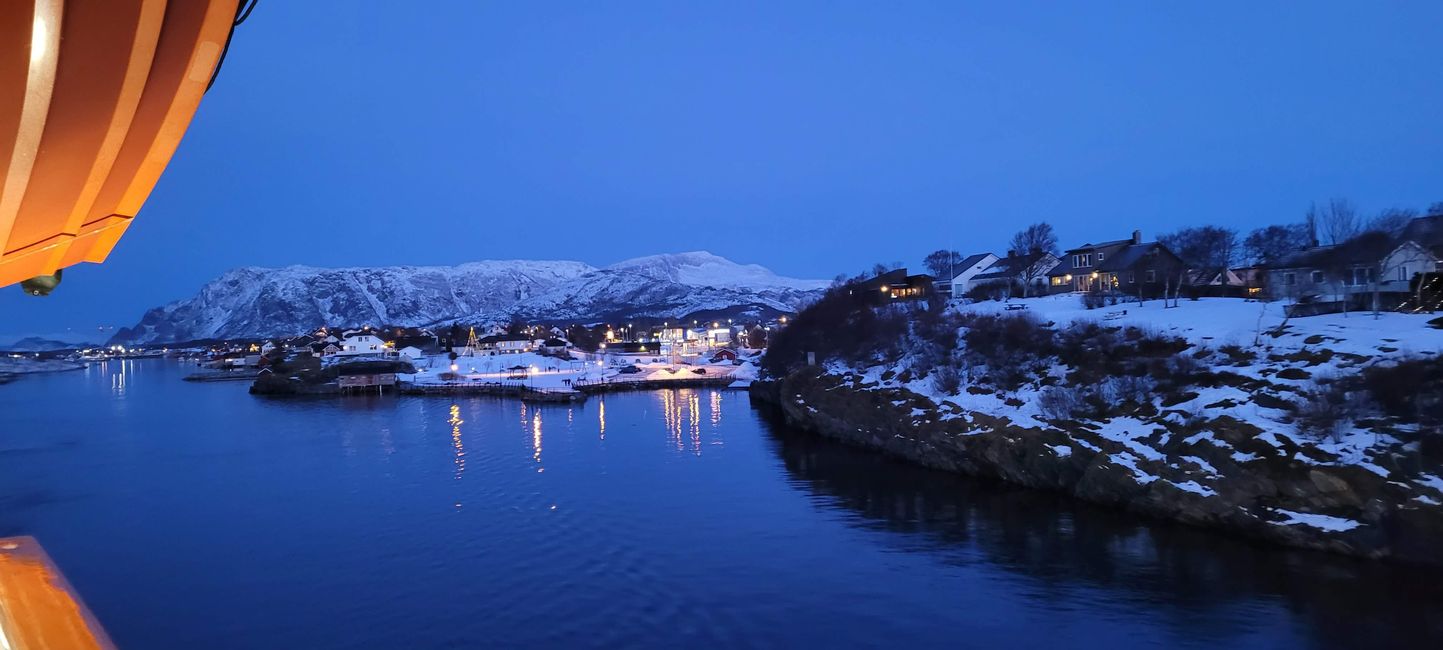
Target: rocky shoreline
{"x": 1224, "y": 480}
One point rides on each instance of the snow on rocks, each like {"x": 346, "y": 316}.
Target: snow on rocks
{"x": 1321, "y": 522}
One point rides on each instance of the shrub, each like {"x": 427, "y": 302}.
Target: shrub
{"x": 1059, "y": 403}
{"x": 947, "y": 378}
{"x": 994, "y": 291}
{"x": 1237, "y": 354}
{"x": 1407, "y": 390}
{"x": 1093, "y": 300}
{"x": 1320, "y": 412}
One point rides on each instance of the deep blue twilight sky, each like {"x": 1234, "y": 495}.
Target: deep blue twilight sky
{"x": 812, "y": 137}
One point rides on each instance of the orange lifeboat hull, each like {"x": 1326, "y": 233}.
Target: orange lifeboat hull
{"x": 94, "y": 98}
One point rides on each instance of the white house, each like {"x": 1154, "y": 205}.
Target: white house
{"x": 508, "y": 344}
{"x": 359, "y": 344}
{"x": 1333, "y": 272}
{"x": 1017, "y": 269}
{"x": 968, "y": 268}
{"x": 409, "y": 352}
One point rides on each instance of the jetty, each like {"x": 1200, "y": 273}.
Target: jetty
{"x": 222, "y": 375}
{"x": 499, "y": 389}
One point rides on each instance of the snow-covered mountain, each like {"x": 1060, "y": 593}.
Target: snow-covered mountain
{"x": 254, "y": 302}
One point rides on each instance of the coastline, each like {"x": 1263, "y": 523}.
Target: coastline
{"x": 1273, "y": 497}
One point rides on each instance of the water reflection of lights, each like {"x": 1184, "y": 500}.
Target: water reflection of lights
{"x": 536, "y": 439}
{"x": 455, "y": 423}
{"x": 693, "y": 404}
{"x": 119, "y": 371}
{"x": 601, "y": 415}
{"x": 715, "y": 408}
{"x": 681, "y": 411}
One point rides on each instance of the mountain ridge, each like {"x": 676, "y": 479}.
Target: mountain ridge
{"x": 251, "y": 301}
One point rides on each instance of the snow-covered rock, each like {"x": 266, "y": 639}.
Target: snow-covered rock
{"x": 254, "y": 302}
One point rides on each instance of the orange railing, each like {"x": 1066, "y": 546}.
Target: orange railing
{"x": 38, "y": 609}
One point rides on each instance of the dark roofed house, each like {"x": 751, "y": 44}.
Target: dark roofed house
{"x": 896, "y": 286}
{"x": 1141, "y": 269}
{"x": 1079, "y": 268}
{"x": 1126, "y": 265}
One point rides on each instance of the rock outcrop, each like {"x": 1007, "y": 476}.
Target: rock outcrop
{"x": 1213, "y": 472}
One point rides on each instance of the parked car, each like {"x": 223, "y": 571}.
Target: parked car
{"x": 628, "y": 370}
{"x": 699, "y": 371}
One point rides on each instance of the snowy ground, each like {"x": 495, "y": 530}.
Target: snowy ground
{"x": 1222, "y": 321}
{"x": 25, "y": 365}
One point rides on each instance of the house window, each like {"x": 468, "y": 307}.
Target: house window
{"x": 1291, "y": 278}
{"x": 1361, "y": 277}
{"x": 1082, "y": 260}
{"x": 1151, "y": 275}
{"x": 1403, "y": 274}
{"x": 1056, "y": 281}
{"x": 1132, "y": 277}
{"x": 1099, "y": 257}
{"x": 1317, "y": 277}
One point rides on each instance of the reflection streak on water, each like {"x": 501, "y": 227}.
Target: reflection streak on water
{"x": 681, "y": 412}
{"x": 601, "y": 417}
{"x": 455, "y": 423}
{"x": 693, "y": 404}
{"x": 536, "y": 439}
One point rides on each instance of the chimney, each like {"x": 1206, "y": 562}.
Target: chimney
{"x": 1137, "y": 236}
{"x": 1012, "y": 253}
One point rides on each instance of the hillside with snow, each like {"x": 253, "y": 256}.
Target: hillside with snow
{"x": 255, "y": 302}
{"x": 1318, "y": 432}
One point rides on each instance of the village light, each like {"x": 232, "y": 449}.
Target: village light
{"x": 454, "y": 367}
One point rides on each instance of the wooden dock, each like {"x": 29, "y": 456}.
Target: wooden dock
{"x": 525, "y": 393}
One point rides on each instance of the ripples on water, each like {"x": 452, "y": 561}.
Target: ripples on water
{"x": 193, "y": 515}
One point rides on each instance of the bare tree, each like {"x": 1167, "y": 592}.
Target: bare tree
{"x": 1271, "y": 244}
{"x": 942, "y": 263}
{"x": 1436, "y": 209}
{"x": 1392, "y": 221}
{"x": 883, "y": 267}
{"x": 1338, "y": 220}
{"x": 1207, "y": 252}
{"x": 1033, "y": 268}
{"x": 1036, "y": 238}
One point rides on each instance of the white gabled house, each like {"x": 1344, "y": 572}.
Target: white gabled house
{"x": 362, "y": 344}
{"x": 1030, "y": 270}
{"x": 409, "y": 352}
{"x": 964, "y": 271}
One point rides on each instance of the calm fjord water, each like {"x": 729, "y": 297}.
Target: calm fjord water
{"x": 197, "y": 516}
